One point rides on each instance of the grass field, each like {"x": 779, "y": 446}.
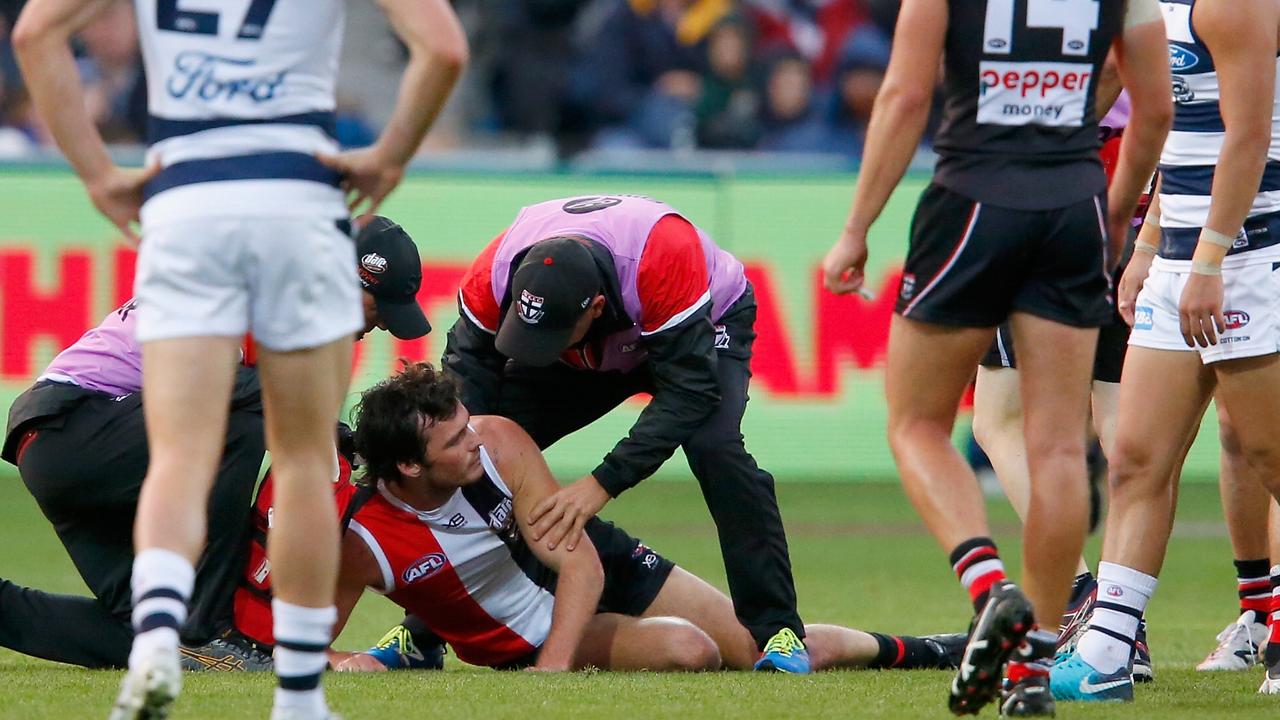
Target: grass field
{"x": 860, "y": 558}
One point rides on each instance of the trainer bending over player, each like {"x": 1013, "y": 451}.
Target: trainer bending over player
{"x": 1018, "y": 224}
{"x": 595, "y": 299}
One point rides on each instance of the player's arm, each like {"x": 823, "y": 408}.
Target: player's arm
{"x": 1241, "y": 36}
{"x": 438, "y": 54}
{"x": 581, "y": 579}
{"x": 1109, "y": 85}
{"x": 893, "y": 135}
{"x": 357, "y": 570}
{"x": 1142, "y": 64}
{"x": 677, "y": 335}
{"x": 41, "y": 40}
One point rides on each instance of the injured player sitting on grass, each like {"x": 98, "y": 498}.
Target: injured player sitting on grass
{"x": 443, "y": 532}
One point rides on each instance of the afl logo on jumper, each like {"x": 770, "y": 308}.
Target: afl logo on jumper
{"x": 530, "y": 307}
{"x": 423, "y": 568}
{"x": 374, "y": 263}
{"x": 581, "y": 206}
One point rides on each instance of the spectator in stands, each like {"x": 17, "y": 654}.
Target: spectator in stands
{"x": 789, "y": 116}
{"x": 530, "y": 72}
{"x": 814, "y": 29}
{"x": 728, "y": 111}
{"x": 858, "y": 77}
{"x": 641, "y": 75}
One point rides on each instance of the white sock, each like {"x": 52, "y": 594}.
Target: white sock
{"x": 302, "y": 635}
{"x": 162, "y": 583}
{"x": 1123, "y": 594}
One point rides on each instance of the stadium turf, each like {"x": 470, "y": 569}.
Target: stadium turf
{"x": 860, "y": 558}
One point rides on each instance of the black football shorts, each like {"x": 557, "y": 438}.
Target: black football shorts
{"x": 971, "y": 264}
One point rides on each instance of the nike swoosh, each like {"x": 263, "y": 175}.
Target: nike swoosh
{"x": 1088, "y": 687}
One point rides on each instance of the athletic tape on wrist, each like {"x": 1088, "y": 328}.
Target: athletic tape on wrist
{"x": 1216, "y": 238}
{"x": 1204, "y": 268}
{"x": 1144, "y": 247}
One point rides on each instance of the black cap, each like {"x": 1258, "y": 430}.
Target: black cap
{"x": 550, "y": 291}
{"x": 391, "y": 271}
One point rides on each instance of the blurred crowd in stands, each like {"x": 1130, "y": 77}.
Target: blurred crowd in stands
{"x": 768, "y": 75}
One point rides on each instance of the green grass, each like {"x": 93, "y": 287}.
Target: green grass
{"x": 860, "y": 558}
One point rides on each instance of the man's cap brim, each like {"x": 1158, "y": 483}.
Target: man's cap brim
{"x": 530, "y": 344}
{"x": 405, "y": 320}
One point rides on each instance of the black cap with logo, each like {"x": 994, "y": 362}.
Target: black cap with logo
{"x": 391, "y": 271}
{"x": 550, "y": 291}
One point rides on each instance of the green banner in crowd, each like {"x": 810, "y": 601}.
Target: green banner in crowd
{"x": 817, "y": 409}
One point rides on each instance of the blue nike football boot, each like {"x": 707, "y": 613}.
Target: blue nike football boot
{"x": 1075, "y": 679}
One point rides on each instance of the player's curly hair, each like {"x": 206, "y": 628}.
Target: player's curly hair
{"x": 389, "y": 415}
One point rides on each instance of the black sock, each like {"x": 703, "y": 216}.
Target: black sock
{"x": 904, "y": 652}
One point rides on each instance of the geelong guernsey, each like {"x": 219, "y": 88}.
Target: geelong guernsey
{"x": 241, "y": 92}
{"x": 1194, "y": 146}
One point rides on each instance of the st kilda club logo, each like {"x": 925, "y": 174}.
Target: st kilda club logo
{"x": 530, "y": 307}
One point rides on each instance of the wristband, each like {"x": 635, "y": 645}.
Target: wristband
{"x": 1148, "y": 248}
{"x": 1204, "y": 268}
{"x": 1216, "y": 238}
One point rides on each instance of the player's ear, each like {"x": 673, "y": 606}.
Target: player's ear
{"x": 410, "y": 469}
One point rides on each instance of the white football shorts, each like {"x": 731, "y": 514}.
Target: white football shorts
{"x": 1251, "y": 301}
{"x": 290, "y": 280}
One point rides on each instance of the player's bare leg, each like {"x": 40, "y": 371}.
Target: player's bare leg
{"x": 1163, "y": 394}
{"x": 691, "y": 598}
{"x": 302, "y": 394}
{"x": 1249, "y": 390}
{"x": 927, "y": 371}
{"x": 186, "y": 383}
{"x": 620, "y": 642}
{"x": 1056, "y": 375}
{"x": 1245, "y": 502}
{"x": 998, "y": 425}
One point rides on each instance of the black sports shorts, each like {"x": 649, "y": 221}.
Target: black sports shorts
{"x": 971, "y": 264}
{"x": 633, "y": 573}
{"x": 1113, "y": 340}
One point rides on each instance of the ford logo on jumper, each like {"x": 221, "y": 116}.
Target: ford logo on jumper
{"x": 197, "y": 75}
{"x": 1181, "y": 58}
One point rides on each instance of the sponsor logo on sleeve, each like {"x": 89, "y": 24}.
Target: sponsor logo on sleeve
{"x": 500, "y": 517}
{"x": 1033, "y": 93}
{"x": 423, "y": 568}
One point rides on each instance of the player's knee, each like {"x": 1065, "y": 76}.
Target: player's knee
{"x": 1227, "y": 436}
{"x": 1263, "y": 460}
{"x": 711, "y": 445}
{"x": 1133, "y": 467}
{"x": 689, "y": 649}
{"x": 989, "y": 429}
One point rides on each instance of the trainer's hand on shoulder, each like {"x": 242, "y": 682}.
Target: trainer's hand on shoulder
{"x": 1131, "y": 282}
{"x": 368, "y": 176}
{"x": 1200, "y": 310}
{"x": 562, "y": 516}
{"x": 842, "y": 268}
{"x": 117, "y": 194}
